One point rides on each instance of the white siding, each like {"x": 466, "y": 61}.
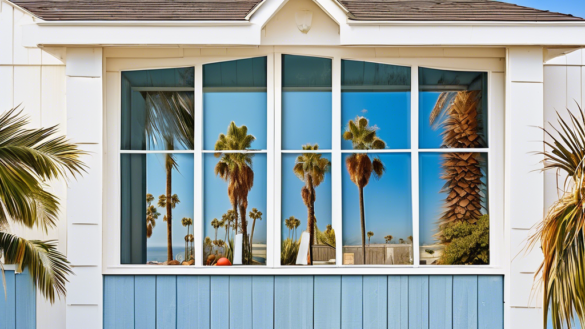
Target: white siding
{"x": 35, "y": 78}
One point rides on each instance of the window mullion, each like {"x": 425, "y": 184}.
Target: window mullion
{"x": 198, "y": 165}
{"x": 414, "y": 99}
{"x": 271, "y": 239}
{"x": 336, "y": 196}
{"x": 277, "y": 147}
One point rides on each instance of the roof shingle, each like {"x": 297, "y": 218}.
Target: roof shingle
{"x": 139, "y": 10}
{"x": 233, "y": 10}
{"x": 447, "y": 10}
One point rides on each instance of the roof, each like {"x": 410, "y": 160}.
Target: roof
{"x": 139, "y": 10}
{"x": 234, "y": 10}
{"x": 447, "y": 10}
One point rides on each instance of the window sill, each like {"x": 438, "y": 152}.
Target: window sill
{"x": 302, "y": 270}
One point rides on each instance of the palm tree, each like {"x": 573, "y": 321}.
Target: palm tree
{"x": 311, "y": 169}
{"x": 29, "y": 158}
{"x": 164, "y": 201}
{"x": 215, "y": 224}
{"x": 370, "y": 235}
{"x": 186, "y": 222}
{"x": 388, "y": 238}
{"x": 289, "y": 224}
{"x": 254, "y": 214}
{"x": 169, "y": 120}
{"x": 410, "y": 239}
{"x": 562, "y": 232}
{"x": 236, "y": 170}
{"x": 462, "y": 171}
{"x": 151, "y": 215}
{"x": 360, "y": 166}
{"x": 296, "y": 224}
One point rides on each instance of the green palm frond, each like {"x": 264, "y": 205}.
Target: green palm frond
{"x": 28, "y": 159}
{"x": 47, "y": 266}
{"x": 562, "y": 232}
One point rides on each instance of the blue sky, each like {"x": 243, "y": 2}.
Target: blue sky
{"x": 244, "y": 108}
{"x": 390, "y": 111}
{"x": 573, "y": 7}
{"x": 387, "y": 201}
{"x": 216, "y": 200}
{"x": 306, "y": 118}
{"x": 292, "y": 203}
{"x": 182, "y": 185}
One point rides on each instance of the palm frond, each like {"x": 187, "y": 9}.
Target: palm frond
{"x": 47, "y": 266}
{"x": 562, "y": 232}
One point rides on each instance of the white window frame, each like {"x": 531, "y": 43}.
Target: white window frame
{"x": 111, "y": 233}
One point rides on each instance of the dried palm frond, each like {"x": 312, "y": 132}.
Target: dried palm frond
{"x": 562, "y": 232}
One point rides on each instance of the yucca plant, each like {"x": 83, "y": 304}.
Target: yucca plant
{"x": 561, "y": 233}
{"x": 29, "y": 159}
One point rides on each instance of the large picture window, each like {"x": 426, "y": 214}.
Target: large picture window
{"x": 305, "y": 161}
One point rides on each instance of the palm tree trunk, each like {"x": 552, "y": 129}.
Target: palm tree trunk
{"x": 252, "y": 234}
{"x": 169, "y": 213}
{"x": 363, "y": 224}
{"x": 311, "y": 218}
{"x": 245, "y": 232}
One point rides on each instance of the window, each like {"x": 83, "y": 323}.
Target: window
{"x": 285, "y": 160}
{"x": 234, "y": 112}
{"x": 156, "y": 181}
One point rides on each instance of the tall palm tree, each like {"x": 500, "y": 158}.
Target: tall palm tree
{"x": 169, "y": 121}
{"x": 215, "y": 225}
{"x": 296, "y": 224}
{"x": 164, "y": 201}
{"x": 186, "y": 222}
{"x": 458, "y": 114}
{"x": 311, "y": 169}
{"x": 359, "y": 165}
{"x": 254, "y": 214}
{"x": 236, "y": 170}
{"x": 151, "y": 215}
{"x": 370, "y": 235}
{"x": 289, "y": 224}
{"x": 29, "y": 158}
{"x": 388, "y": 238}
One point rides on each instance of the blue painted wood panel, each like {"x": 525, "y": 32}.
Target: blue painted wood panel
{"x": 18, "y": 301}
{"x": 258, "y": 302}
{"x": 144, "y": 301}
{"x": 263, "y": 302}
{"x": 327, "y": 300}
{"x": 398, "y": 302}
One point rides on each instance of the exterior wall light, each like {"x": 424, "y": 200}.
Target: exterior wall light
{"x": 304, "y": 18}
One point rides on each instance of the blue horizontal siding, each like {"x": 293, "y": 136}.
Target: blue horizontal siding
{"x": 265, "y": 302}
{"x": 18, "y": 306}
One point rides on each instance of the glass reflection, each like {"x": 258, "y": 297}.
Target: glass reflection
{"x": 306, "y": 102}
{"x": 157, "y": 209}
{"x": 452, "y": 109}
{"x": 235, "y": 91}
{"x": 306, "y": 204}
{"x": 454, "y": 221}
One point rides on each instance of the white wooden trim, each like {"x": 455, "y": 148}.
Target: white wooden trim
{"x": 274, "y": 159}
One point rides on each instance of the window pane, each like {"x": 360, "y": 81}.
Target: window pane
{"x": 235, "y": 91}
{"x": 306, "y": 102}
{"x": 387, "y": 209}
{"x": 147, "y": 179}
{"x": 229, "y": 194}
{"x": 453, "y": 209}
{"x": 452, "y": 109}
{"x": 306, "y": 190}
{"x": 380, "y": 93}
{"x": 157, "y": 109}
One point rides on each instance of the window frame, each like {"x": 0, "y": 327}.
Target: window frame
{"x": 112, "y": 151}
